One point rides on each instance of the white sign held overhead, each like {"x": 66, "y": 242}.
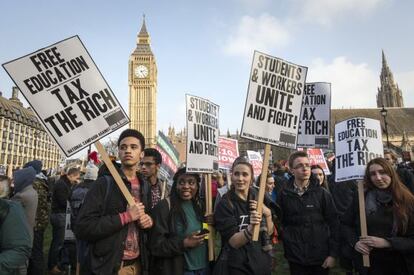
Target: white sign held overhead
{"x": 202, "y": 135}
{"x": 315, "y": 116}
{"x": 357, "y": 141}
{"x": 274, "y": 100}
{"x": 68, "y": 93}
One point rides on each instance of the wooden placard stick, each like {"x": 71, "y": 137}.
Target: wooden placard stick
{"x": 209, "y": 211}
{"x": 114, "y": 173}
{"x": 362, "y": 218}
{"x": 10, "y": 171}
{"x": 228, "y": 176}
{"x": 262, "y": 189}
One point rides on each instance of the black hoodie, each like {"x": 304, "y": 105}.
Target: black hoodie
{"x": 231, "y": 216}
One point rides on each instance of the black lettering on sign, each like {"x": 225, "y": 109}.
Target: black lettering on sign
{"x": 256, "y": 112}
{"x": 316, "y": 127}
{"x": 346, "y": 160}
{"x": 64, "y": 119}
{"x": 365, "y": 157}
{"x": 196, "y": 147}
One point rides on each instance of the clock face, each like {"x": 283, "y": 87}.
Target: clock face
{"x": 141, "y": 71}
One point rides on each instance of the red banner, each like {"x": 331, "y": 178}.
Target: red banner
{"x": 316, "y": 157}
{"x": 228, "y": 152}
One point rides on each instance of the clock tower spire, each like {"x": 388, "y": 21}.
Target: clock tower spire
{"x": 142, "y": 81}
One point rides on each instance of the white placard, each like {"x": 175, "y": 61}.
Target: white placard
{"x": 68, "y": 94}
{"x": 274, "y": 100}
{"x": 69, "y": 235}
{"x": 357, "y": 141}
{"x": 202, "y": 135}
{"x": 315, "y": 116}
{"x": 255, "y": 158}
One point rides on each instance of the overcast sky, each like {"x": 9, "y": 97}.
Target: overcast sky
{"x": 205, "y": 47}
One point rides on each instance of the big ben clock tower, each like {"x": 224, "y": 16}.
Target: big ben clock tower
{"x": 142, "y": 79}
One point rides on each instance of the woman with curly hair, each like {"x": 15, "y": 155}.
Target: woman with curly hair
{"x": 176, "y": 241}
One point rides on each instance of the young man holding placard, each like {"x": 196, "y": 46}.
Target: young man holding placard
{"x": 117, "y": 233}
{"x": 309, "y": 220}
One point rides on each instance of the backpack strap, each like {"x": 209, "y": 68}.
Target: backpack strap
{"x": 108, "y": 180}
{"x": 168, "y": 202}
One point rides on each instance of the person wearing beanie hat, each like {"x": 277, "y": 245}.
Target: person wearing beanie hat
{"x": 120, "y": 230}
{"x": 41, "y": 186}
{"x": 25, "y": 194}
{"x": 36, "y": 164}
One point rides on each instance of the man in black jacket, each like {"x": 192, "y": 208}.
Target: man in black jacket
{"x": 150, "y": 165}
{"x": 117, "y": 234}
{"x": 407, "y": 178}
{"x": 309, "y": 221}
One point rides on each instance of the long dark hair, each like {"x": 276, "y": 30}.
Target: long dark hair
{"x": 325, "y": 180}
{"x": 177, "y": 212}
{"x": 403, "y": 200}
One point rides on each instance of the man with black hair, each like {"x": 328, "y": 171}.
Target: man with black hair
{"x": 117, "y": 233}
{"x": 405, "y": 175}
{"x": 150, "y": 165}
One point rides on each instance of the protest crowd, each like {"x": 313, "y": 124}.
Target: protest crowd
{"x": 354, "y": 210}
{"x": 314, "y": 217}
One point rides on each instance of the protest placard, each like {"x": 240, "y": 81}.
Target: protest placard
{"x": 316, "y": 157}
{"x": 68, "y": 93}
{"x": 357, "y": 141}
{"x": 315, "y": 116}
{"x": 255, "y": 158}
{"x": 69, "y": 235}
{"x": 169, "y": 155}
{"x": 228, "y": 152}
{"x": 274, "y": 100}
{"x": 202, "y": 135}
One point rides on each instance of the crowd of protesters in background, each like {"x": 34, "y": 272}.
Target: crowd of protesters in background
{"x": 315, "y": 218}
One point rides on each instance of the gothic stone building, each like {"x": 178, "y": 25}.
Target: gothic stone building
{"x": 22, "y": 137}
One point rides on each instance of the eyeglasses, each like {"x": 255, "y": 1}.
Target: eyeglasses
{"x": 302, "y": 166}
{"x": 147, "y": 164}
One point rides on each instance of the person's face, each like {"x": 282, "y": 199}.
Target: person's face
{"x": 301, "y": 168}
{"x": 388, "y": 157}
{"x": 378, "y": 176}
{"x": 148, "y": 167}
{"x": 270, "y": 184}
{"x": 187, "y": 187}
{"x": 74, "y": 178}
{"x": 220, "y": 180}
{"x": 318, "y": 173}
{"x": 129, "y": 151}
{"x": 241, "y": 177}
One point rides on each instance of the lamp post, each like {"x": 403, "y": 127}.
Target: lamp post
{"x": 384, "y": 113}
